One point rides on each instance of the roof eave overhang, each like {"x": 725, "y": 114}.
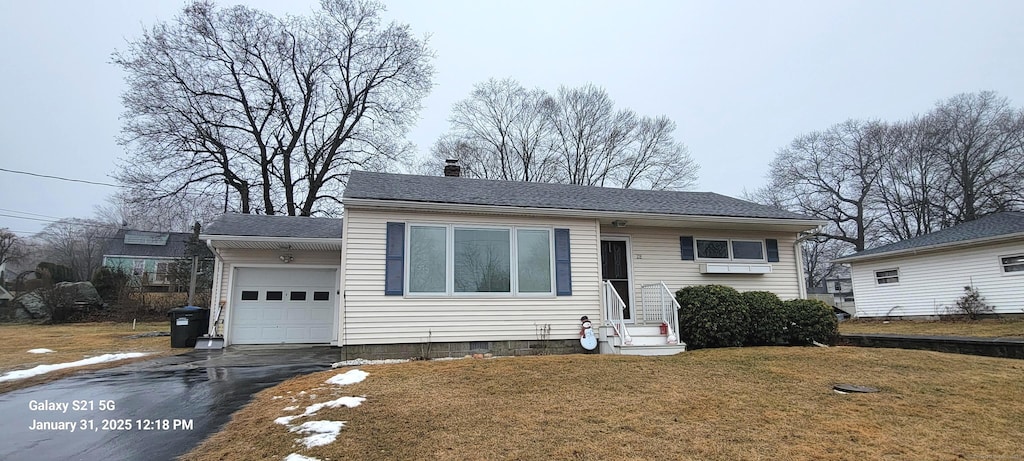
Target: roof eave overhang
{"x": 262, "y": 242}
{"x": 795, "y": 225}
{"x": 931, "y": 248}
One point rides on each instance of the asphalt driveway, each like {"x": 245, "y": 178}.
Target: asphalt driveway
{"x": 152, "y": 410}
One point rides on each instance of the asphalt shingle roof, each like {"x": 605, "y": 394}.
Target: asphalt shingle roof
{"x": 458, "y": 190}
{"x": 993, "y": 225}
{"x": 177, "y": 242}
{"x": 274, "y": 226}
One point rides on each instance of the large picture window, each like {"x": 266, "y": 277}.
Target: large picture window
{"x": 482, "y": 261}
{"x": 457, "y": 260}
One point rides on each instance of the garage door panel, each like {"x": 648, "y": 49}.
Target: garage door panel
{"x": 280, "y": 306}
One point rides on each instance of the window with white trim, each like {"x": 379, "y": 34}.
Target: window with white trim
{"x": 461, "y": 260}
{"x": 1013, "y": 264}
{"x": 730, "y": 249}
{"x": 887, "y": 276}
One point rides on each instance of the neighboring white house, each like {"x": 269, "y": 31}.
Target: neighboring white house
{"x": 446, "y": 265}
{"x": 924, "y": 276}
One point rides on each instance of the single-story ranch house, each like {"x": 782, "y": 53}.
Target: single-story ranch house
{"x": 438, "y": 266}
{"x": 925, "y": 275}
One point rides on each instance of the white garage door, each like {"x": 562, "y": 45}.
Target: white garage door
{"x": 273, "y": 306}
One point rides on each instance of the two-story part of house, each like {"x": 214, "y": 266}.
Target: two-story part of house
{"x": 152, "y": 257}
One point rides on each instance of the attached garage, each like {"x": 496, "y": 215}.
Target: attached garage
{"x": 283, "y": 305}
{"x": 276, "y": 279}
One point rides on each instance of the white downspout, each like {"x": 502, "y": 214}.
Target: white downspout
{"x": 799, "y": 253}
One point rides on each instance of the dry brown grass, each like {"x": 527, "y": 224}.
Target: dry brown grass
{"x": 987, "y": 328}
{"x": 727, "y": 404}
{"x": 71, "y": 342}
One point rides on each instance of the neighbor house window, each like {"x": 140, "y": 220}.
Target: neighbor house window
{"x": 454, "y": 259}
{"x": 1013, "y": 264}
{"x": 726, "y": 249}
{"x": 887, "y": 276}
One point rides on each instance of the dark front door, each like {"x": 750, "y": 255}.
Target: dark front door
{"x": 615, "y": 269}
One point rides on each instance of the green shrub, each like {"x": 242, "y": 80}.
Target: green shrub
{"x": 767, "y": 318}
{"x": 110, "y": 283}
{"x": 55, "y": 273}
{"x": 809, "y": 320}
{"x": 712, "y": 316}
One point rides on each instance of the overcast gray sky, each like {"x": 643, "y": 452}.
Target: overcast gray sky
{"x": 740, "y": 78}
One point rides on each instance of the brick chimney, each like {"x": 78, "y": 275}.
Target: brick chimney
{"x": 452, "y": 168}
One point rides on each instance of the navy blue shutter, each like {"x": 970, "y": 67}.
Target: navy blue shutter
{"x": 563, "y": 263}
{"x": 772, "y": 246}
{"x": 394, "y": 270}
{"x": 686, "y": 248}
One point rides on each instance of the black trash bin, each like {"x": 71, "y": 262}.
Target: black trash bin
{"x": 187, "y": 324}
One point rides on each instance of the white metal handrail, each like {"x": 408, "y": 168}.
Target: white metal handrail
{"x": 613, "y": 307}
{"x": 660, "y": 306}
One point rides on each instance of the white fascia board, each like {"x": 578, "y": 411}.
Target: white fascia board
{"x": 213, "y": 239}
{"x": 930, "y": 248}
{"x": 560, "y": 212}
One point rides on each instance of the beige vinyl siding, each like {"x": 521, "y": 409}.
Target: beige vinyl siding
{"x": 931, "y": 282}
{"x": 656, "y": 258}
{"x": 370, "y": 317}
{"x": 232, "y": 257}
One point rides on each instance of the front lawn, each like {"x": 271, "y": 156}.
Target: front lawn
{"x": 985, "y": 328}
{"x": 72, "y": 342}
{"x": 727, "y": 404}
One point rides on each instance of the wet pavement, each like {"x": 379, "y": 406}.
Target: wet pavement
{"x": 152, "y": 410}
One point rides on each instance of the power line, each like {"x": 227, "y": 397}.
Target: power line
{"x": 30, "y": 214}
{"x": 60, "y": 178}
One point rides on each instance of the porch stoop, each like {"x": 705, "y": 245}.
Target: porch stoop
{"x": 646, "y": 340}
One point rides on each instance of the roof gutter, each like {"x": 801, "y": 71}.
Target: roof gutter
{"x": 562, "y": 212}
{"x": 211, "y": 239}
{"x": 930, "y": 248}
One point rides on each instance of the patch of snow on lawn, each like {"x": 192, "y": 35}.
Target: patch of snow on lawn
{"x": 321, "y": 432}
{"x": 357, "y": 362}
{"x": 298, "y": 457}
{"x": 39, "y": 351}
{"x": 285, "y": 420}
{"x": 291, "y": 408}
{"x": 348, "y": 377}
{"x": 43, "y": 369}
{"x": 350, "y": 402}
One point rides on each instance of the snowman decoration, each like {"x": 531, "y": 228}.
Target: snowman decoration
{"x": 587, "y": 338}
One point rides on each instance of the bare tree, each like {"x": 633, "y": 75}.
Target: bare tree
{"x": 76, "y": 243}
{"x": 505, "y": 131}
{"x": 833, "y": 175}
{"x": 909, "y": 196}
{"x": 12, "y": 249}
{"x": 278, "y": 110}
{"x": 979, "y": 140}
{"x": 168, "y": 214}
{"x": 499, "y": 132}
{"x": 818, "y": 254}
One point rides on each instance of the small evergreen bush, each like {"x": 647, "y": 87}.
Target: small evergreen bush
{"x": 712, "y": 316}
{"x": 809, "y": 320}
{"x": 767, "y": 318}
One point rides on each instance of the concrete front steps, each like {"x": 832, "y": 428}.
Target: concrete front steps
{"x": 647, "y": 340}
